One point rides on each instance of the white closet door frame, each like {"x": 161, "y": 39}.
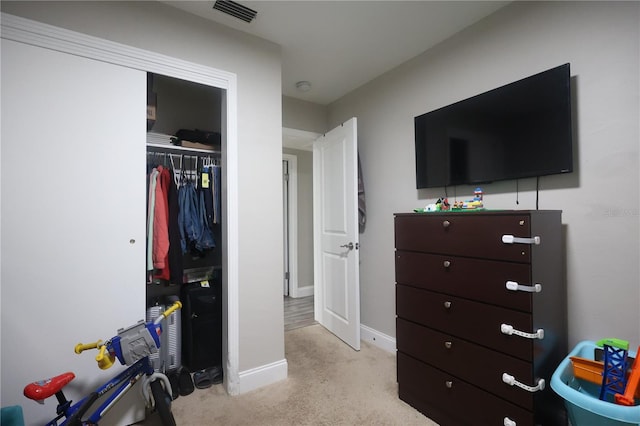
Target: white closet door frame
{"x": 47, "y": 36}
{"x": 292, "y": 224}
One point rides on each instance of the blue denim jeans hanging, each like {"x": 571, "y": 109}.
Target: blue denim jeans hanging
{"x": 195, "y": 232}
{"x": 188, "y": 219}
{"x": 205, "y": 239}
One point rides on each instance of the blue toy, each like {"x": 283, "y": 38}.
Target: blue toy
{"x": 614, "y": 378}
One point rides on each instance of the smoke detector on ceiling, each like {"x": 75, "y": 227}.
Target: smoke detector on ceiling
{"x": 235, "y": 9}
{"x": 303, "y": 86}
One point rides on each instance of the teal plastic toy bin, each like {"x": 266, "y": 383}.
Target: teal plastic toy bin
{"x": 584, "y": 408}
{"x": 11, "y": 416}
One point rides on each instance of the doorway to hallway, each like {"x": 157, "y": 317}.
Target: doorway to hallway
{"x": 297, "y": 191}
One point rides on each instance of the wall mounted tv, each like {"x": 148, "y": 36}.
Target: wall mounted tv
{"x": 516, "y": 131}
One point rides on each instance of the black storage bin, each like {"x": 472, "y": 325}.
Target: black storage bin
{"x": 202, "y": 325}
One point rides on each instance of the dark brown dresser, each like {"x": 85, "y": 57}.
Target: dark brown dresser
{"x": 481, "y": 316}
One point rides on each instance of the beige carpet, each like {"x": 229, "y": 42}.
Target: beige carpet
{"x": 329, "y": 384}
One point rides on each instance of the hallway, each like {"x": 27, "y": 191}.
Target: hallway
{"x": 298, "y": 312}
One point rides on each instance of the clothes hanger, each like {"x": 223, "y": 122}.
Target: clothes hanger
{"x": 176, "y": 177}
{"x": 184, "y": 179}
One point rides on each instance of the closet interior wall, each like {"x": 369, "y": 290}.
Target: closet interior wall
{"x": 198, "y": 172}
{"x": 172, "y": 105}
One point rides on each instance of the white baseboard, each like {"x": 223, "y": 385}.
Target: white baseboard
{"x": 262, "y": 376}
{"x": 378, "y": 339}
{"x": 302, "y": 291}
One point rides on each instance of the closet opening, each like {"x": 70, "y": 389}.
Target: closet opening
{"x": 186, "y": 242}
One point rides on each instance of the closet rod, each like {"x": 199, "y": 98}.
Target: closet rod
{"x": 154, "y": 147}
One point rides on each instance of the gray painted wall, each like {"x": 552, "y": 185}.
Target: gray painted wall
{"x": 305, "y": 215}
{"x": 599, "y": 200}
{"x": 159, "y": 28}
{"x": 309, "y": 117}
{"x": 186, "y": 105}
{"x": 303, "y": 115}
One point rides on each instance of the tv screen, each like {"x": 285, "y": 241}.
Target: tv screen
{"x": 516, "y": 131}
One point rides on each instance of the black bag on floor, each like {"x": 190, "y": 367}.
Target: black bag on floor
{"x": 202, "y": 326}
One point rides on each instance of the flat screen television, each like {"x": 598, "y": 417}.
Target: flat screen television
{"x": 519, "y": 130}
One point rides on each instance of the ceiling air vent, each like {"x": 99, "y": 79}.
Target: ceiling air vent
{"x": 235, "y": 9}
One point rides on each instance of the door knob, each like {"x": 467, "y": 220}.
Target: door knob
{"x": 348, "y": 246}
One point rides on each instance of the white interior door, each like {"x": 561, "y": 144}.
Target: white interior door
{"x": 335, "y": 223}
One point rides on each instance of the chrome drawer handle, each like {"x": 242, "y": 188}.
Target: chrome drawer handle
{"x": 446, "y": 263}
{"x": 509, "y": 330}
{"x": 446, "y": 224}
{"x": 509, "y": 422}
{"x": 514, "y": 286}
{"x": 448, "y": 345}
{"x": 447, "y": 304}
{"x": 511, "y": 381}
{"x": 510, "y": 239}
{"x": 448, "y": 384}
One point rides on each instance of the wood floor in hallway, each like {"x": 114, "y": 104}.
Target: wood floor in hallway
{"x": 298, "y": 312}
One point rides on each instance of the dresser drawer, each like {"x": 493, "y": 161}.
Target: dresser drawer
{"x": 474, "y": 321}
{"x": 464, "y": 234}
{"x": 482, "y": 280}
{"x": 451, "y": 401}
{"x": 473, "y": 363}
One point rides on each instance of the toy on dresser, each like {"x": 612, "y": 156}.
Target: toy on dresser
{"x": 443, "y": 204}
{"x": 473, "y": 204}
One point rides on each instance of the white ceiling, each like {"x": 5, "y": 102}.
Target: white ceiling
{"x": 340, "y": 45}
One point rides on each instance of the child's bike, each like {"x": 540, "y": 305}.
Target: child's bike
{"x": 132, "y": 347}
